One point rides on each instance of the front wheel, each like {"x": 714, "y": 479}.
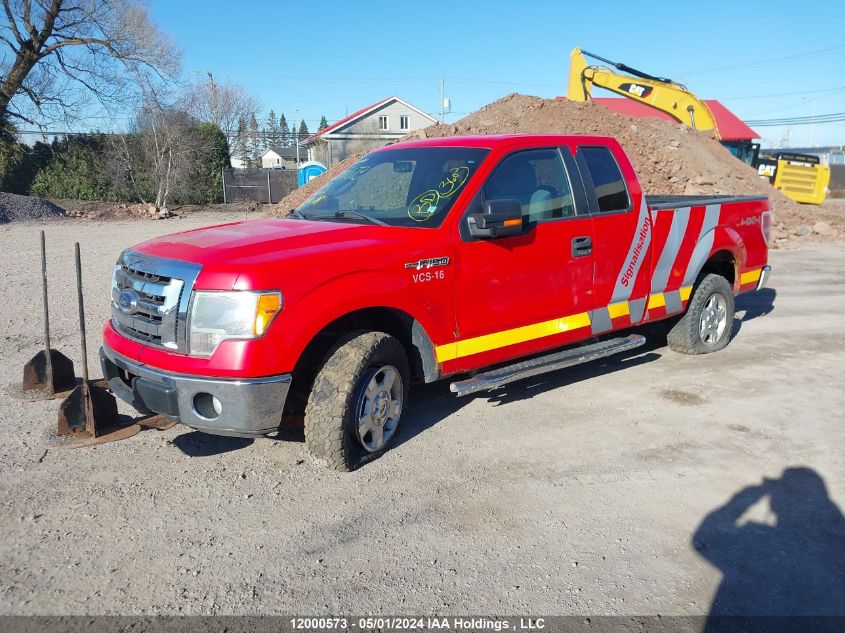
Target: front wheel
{"x": 706, "y": 325}
{"x": 357, "y": 401}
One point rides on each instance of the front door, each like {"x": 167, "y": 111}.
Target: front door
{"x": 530, "y": 292}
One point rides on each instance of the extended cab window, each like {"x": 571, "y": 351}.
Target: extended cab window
{"x": 538, "y": 180}
{"x": 400, "y": 187}
{"x": 609, "y": 185}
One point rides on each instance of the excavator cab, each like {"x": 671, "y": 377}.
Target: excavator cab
{"x": 746, "y": 151}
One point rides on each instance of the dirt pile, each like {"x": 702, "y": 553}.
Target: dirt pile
{"x": 15, "y": 208}
{"x": 670, "y": 159}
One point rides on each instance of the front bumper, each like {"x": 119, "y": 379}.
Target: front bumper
{"x": 241, "y": 407}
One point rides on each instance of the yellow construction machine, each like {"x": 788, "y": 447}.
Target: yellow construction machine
{"x": 801, "y": 177}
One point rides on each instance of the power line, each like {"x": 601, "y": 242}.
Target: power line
{"x": 833, "y": 117}
{"x": 782, "y": 94}
{"x": 764, "y": 61}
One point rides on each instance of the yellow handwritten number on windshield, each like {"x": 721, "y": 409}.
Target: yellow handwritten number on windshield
{"x": 425, "y": 205}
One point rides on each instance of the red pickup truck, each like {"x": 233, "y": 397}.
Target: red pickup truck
{"x": 485, "y": 258}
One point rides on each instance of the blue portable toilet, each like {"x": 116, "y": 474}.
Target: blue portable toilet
{"x": 309, "y": 170}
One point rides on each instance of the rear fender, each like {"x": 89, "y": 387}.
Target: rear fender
{"x": 717, "y": 240}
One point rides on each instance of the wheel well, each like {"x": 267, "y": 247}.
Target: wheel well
{"x": 721, "y": 263}
{"x": 398, "y": 324}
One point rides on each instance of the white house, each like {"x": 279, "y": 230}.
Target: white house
{"x": 281, "y": 157}
{"x": 367, "y": 129}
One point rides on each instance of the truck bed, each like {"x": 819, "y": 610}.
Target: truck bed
{"x": 676, "y": 202}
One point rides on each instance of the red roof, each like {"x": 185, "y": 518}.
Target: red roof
{"x": 346, "y": 119}
{"x": 731, "y": 128}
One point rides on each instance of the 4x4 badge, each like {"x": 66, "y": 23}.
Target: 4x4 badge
{"x": 430, "y": 262}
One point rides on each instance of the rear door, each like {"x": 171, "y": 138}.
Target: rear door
{"x": 622, "y": 237}
{"x": 521, "y": 294}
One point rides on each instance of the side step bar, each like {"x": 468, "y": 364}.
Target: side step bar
{"x": 567, "y": 358}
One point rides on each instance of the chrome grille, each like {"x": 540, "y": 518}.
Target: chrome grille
{"x": 150, "y": 299}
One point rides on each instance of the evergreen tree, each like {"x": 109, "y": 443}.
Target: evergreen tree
{"x": 272, "y": 138}
{"x": 323, "y": 123}
{"x": 303, "y": 131}
{"x": 255, "y": 149}
{"x": 242, "y": 143}
{"x": 284, "y": 131}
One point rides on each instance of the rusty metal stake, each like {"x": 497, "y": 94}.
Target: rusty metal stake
{"x": 89, "y": 409}
{"x": 46, "y": 304}
{"x": 86, "y": 387}
{"x": 49, "y": 369}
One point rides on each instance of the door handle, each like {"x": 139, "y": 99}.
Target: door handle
{"x": 582, "y": 246}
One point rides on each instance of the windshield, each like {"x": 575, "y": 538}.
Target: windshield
{"x": 399, "y": 187}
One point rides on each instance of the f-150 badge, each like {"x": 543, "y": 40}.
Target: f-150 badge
{"x": 430, "y": 262}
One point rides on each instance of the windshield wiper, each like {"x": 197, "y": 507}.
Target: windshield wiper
{"x": 340, "y": 215}
{"x": 358, "y": 214}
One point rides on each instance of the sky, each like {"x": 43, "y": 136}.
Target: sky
{"x": 762, "y": 60}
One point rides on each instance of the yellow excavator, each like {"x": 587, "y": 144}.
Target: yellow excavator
{"x": 801, "y": 177}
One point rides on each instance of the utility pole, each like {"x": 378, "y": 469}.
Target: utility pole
{"x": 296, "y": 135}
{"x": 213, "y": 88}
{"x": 442, "y": 99}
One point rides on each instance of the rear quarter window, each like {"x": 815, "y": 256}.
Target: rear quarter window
{"x": 608, "y": 183}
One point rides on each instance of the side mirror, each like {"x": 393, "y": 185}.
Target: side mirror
{"x": 500, "y": 218}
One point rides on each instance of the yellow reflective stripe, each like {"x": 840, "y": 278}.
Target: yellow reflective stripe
{"x": 485, "y": 343}
{"x": 617, "y": 310}
{"x": 657, "y": 300}
{"x": 750, "y": 276}
{"x": 446, "y": 352}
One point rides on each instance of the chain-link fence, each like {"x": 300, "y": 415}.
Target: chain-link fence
{"x": 257, "y": 185}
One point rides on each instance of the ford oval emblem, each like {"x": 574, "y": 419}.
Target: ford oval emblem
{"x": 127, "y": 301}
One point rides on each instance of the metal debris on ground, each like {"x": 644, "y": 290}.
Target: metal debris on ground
{"x": 89, "y": 411}
{"x": 49, "y": 370}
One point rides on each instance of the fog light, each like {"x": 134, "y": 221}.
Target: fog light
{"x": 207, "y": 406}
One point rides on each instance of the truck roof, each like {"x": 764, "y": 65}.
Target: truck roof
{"x": 506, "y": 141}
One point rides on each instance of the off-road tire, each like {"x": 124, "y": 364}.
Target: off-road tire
{"x": 329, "y": 427}
{"x": 684, "y": 335}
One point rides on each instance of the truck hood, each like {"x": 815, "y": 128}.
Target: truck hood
{"x": 250, "y": 238}
{"x": 242, "y": 250}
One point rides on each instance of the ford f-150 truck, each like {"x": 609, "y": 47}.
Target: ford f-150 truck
{"x": 486, "y": 259}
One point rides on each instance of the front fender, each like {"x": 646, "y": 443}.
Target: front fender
{"x": 304, "y": 317}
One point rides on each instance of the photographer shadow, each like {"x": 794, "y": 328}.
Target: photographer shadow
{"x": 786, "y": 574}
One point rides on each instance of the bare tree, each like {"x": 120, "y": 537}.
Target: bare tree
{"x": 58, "y": 55}
{"x": 158, "y": 158}
{"x": 225, "y": 105}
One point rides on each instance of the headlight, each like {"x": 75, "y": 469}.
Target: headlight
{"x": 217, "y": 316}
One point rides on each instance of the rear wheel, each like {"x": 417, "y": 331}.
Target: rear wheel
{"x": 357, "y": 401}
{"x": 706, "y": 325}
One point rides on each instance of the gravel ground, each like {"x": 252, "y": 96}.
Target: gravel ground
{"x": 581, "y": 492}
{"x": 15, "y": 208}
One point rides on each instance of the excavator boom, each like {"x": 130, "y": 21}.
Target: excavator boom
{"x": 657, "y": 92}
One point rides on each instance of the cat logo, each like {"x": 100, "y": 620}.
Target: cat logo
{"x": 636, "y": 89}
{"x": 766, "y": 171}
